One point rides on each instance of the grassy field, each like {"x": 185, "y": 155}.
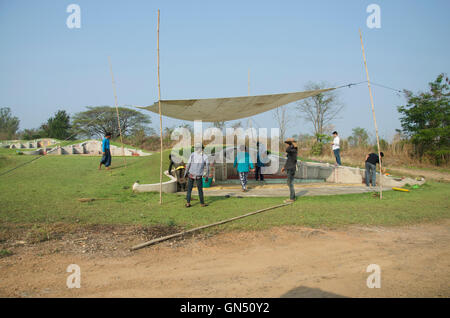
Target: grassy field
{"x": 47, "y": 191}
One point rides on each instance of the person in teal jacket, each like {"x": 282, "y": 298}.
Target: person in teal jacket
{"x": 244, "y": 165}
{"x": 106, "y": 158}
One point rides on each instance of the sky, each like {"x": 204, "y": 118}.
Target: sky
{"x": 207, "y": 49}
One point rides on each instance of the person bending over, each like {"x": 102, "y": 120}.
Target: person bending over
{"x": 371, "y": 167}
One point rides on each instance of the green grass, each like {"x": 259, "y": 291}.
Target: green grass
{"x": 46, "y": 191}
{"x": 5, "y": 253}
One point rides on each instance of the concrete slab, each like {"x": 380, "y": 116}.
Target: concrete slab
{"x": 278, "y": 190}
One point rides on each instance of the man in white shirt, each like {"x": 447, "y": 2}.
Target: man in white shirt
{"x": 336, "y": 148}
{"x": 197, "y": 167}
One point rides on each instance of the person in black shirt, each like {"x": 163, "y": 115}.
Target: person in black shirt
{"x": 371, "y": 167}
{"x": 171, "y": 164}
{"x": 290, "y": 167}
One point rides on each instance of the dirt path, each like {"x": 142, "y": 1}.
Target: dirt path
{"x": 427, "y": 174}
{"x": 281, "y": 262}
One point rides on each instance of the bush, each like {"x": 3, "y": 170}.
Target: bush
{"x": 317, "y": 149}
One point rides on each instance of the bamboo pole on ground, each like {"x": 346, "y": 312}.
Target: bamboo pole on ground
{"x": 160, "y": 120}
{"x": 168, "y": 237}
{"x": 373, "y": 113}
{"x": 117, "y": 109}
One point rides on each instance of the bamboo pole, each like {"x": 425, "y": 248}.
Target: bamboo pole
{"x": 160, "y": 120}
{"x": 248, "y": 82}
{"x": 117, "y": 109}
{"x": 168, "y": 237}
{"x": 250, "y": 119}
{"x": 373, "y": 113}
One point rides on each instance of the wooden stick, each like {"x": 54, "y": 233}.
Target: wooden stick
{"x": 160, "y": 121}
{"x": 117, "y": 109}
{"x": 248, "y": 82}
{"x": 168, "y": 237}
{"x": 374, "y": 118}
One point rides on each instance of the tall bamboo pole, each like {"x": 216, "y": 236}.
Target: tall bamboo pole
{"x": 373, "y": 113}
{"x": 250, "y": 119}
{"x": 117, "y": 109}
{"x": 248, "y": 82}
{"x": 160, "y": 121}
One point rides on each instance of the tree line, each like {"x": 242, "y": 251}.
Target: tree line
{"x": 94, "y": 122}
{"x": 424, "y": 122}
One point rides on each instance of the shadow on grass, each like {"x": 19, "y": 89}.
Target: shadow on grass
{"x": 123, "y": 165}
{"x": 301, "y": 193}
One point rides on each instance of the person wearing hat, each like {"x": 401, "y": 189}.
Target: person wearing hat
{"x": 290, "y": 167}
{"x": 197, "y": 167}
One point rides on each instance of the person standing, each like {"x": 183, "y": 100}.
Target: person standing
{"x": 197, "y": 167}
{"x": 259, "y": 163}
{"x": 244, "y": 165}
{"x": 371, "y": 168}
{"x": 171, "y": 164}
{"x": 106, "y": 158}
{"x": 290, "y": 167}
{"x": 336, "y": 147}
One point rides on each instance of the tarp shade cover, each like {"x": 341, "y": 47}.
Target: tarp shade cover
{"x": 225, "y": 109}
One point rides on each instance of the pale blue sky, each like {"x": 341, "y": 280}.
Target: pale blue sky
{"x": 207, "y": 48}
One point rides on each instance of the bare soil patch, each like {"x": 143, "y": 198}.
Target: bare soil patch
{"x": 280, "y": 262}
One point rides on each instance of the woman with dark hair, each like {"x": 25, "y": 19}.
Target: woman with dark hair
{"x": 244, "y": 164}
{"x": 106, "y": 158}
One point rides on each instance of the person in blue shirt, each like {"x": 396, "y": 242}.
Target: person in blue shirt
{"x": 243, "y": 163}
{"x": 106, "y": 158}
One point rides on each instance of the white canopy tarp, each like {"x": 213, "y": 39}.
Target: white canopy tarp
{"x": 225, "y": 109}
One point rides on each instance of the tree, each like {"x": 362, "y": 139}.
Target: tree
{"x": 283, "y": 117}
{"x": 321, "y": 109}
{"x": 30, "y": 134}
{"x": 58, "y": 126}
{"x": 425, "y": 119}
{"x": 8, "y": 124}
{"x": 96, "y": 121}
{"x": 237, "y": 125}
{"x": 360, "y": 137}
{"x": 219, "y": 124}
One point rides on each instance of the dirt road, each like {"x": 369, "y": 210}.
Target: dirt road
{"x": 281, "y": 262}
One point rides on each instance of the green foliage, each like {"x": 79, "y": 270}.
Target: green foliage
{"x": 317, "y": 149}
{"x": 8, "y": 124}
{"x": 58, "y": 126}
{"x": 96, "y": 121}
{"x": 5, "y": 253}
{"x": 318, "y": 145}
{"x": 425, "y": 119}
{"x": 359, "y": 137}
{"x": 323, "y": 138}
{"x": 33, "y": 133}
